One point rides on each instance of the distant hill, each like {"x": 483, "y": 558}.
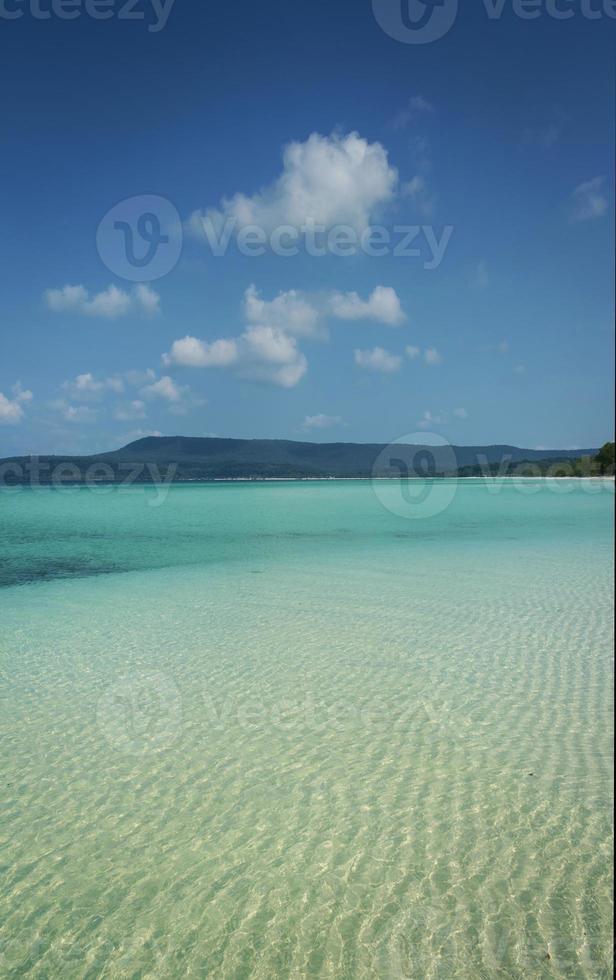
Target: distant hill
{"x": 187, "y": 458}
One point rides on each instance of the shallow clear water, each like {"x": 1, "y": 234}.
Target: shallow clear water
{"x": 285, "y": 731}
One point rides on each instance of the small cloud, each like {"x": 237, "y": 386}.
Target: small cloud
{"x": 330, "y": 180}
{"x": 192, "y": 352}
{"x": 130, "y": 411}
{"x": 109, "y": 304}
{"x": 589, "y": 200}
{"x": 85, "y": 387}
{"x": 429, "y": 421}
{"x": 289, "y": 311}
{"x": 321, "y": 421}
{"x": 75, "y": 414}
{"x": 378, "y": 359}
{"x": 415, "y": 107}
{"x": 382, "y": 305}
{"x": 417, "y": 189}
{"x": 500, "y": 347}
{"x": 165, "y": 388}
{"x": 460, "y": 413}
{"x": 412, "y": 352}
{"x": 20, "y": 394}
{"x": 433, "y": 357}
{"x": 11, "y": 411}
{"x": 481, "y": 277}
{"x": 519, "y": 369}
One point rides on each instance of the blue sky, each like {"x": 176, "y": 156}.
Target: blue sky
{"x": 495, "y": 140}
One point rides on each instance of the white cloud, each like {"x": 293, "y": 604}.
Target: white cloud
{"x": 147, "y": 299}
{"x": 378, "y": 359}
{"x": 67, "y": 298}
{"x": 85, "y": 387}
{"x": 383, "y": 305}
{"x": 419, "y": 192}
{"x": 428, "y": 420}
{"x": 75, "y": 413}
{"x": 165, "y": 388}
{"x": 130, "y": 411}
{"x": 110, "y": 304}
{"x": 589, "y": 200}
{"x": 21, "y": 394}
{"x": 432, "y": 357}
{"x": 289, "y": 311}
{"x": 412, "y": 352}
{"x": 268, "y": 354}
{"x": 460, "y": 413}
{"x": 321, "y": 421}
{"x": 192, "y": 352}
{"x": 340, "y": 179}
{"x": 11, "y": 411}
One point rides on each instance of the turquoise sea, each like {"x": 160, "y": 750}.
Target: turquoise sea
{"x": 288, "y": 730}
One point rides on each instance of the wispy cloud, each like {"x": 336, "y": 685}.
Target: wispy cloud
{"x": 416, "y": 106}
{"x": 589, "y": 200}
{"x": 433, "y": 357}
{"x": 321, "y": 421}
{"x": 378, "y": 359}
{"x": 480, "y": 278}
{"x": 110, "y": 304}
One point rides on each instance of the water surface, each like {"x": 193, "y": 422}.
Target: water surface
{"x": 276, "y": 730}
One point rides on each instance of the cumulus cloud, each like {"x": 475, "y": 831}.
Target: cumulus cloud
{"x": 412, "y": 352}
{"x": 383, "y": 305}
{"x": 321, "y": 421}
{"x": 589, "y": 200}
{"x": 330, "y": 180}
{"x": 11, "y": 409}
{"x": 288, "y": 311}
{"x": 85, "y": 387}
{"x": 432, "y": 357}
{"x": 270, "y": 355}
{"x": 268, "y": 349}
{"x": 191, "y": 352}
{"x": 378, "y": 359}
{"x": 165, "y": 388}
{"x": 109, "y": 304}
